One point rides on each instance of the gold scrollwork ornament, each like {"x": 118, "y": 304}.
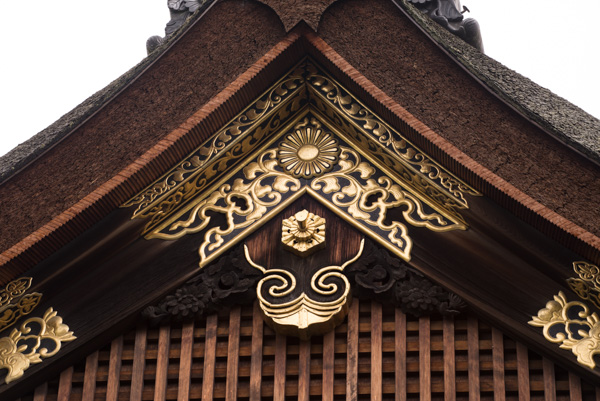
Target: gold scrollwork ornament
{"x": 587, "y": 286}
{"x": 571, "y": 325}
{"x": 11, "y": 311}
{"x": 21, "y": 349}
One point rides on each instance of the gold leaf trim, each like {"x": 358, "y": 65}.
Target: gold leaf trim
{"x": 21, "y": 349}
{"x": 571, "y": 325}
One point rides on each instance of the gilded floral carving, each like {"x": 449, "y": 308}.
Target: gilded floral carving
{"x": 587, "y": 286}
{"x": 573, "y": 326}
{"x": 35, "y": 340}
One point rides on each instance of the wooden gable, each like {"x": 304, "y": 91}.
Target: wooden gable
{"x": 437, "y": 204}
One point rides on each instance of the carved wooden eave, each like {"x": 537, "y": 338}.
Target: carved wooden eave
{"x": 459, "y": 224}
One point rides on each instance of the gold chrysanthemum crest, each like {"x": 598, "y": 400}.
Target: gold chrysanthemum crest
{"x": 308, "y": 151}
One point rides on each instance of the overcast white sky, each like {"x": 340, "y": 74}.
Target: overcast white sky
{"x": 56, "y": 53}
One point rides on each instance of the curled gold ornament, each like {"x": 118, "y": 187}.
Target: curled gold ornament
{"x": 571, "y": 325}
{"x": 304, "y": 316}
{"x": 11, "y": 311}
{"x": 21, "y": 349}
{"x": 587, "y": 286}
{"x": 13, "y": 290}
{"x": 153, "y": 200}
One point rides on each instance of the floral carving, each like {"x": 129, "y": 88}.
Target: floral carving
{"x": 381, "y": 276}
{"x": 571, "y": 325}
{"x": 231, "y": 280}
{"x": 35, "y": 340}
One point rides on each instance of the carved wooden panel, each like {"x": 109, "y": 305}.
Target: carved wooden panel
{"x": 377, "y": 353}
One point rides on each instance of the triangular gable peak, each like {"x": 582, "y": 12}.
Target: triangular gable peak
{"x": 418, "y": 210}
{"x": 286, "y": 144}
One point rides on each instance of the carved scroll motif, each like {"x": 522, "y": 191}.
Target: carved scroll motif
{"x": 36, "y": 339}
{"x": 357, "y": 188}
{"x": 11, "y": 311}
{"x": 587, "y": 286}
{"x": 573, "y": 326}
{"x": 332, "y": 98}
{"x": 217, "y": 155}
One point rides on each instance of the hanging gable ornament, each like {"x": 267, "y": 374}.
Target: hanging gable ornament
{"x": 305, "y": 135}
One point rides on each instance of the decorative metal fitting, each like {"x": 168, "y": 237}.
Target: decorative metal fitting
{"x": 303, "y": 233}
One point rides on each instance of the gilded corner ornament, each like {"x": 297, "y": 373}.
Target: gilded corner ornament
{"x": 573, "y": 326}
{"x": 36, "y": 339}
{"x": 587, "y": 285}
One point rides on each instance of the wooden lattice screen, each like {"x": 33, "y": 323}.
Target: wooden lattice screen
{"x": 378, "y": 354}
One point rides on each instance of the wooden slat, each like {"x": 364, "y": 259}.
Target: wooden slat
{"x": 233, "y": 349}
{"x": 549, "y": 380}
{"x": 575, "y": 387}
{"x": 328, "y": 365}
{"x": 89, "y": 377}
{"x": 449, "y": 360}
{"x": 425, "y": 358}
{"x": 208, "y": 378}
{"x": 162, "y": 363}
{"x": 257, "y": 352}
{"x": 64, "y": 385}
{"x": 473, "y": 358}
{"x": 185, "y": 361}
{"x": 40, "y": 392}
{"x": 352, "y": 353}
{"x": 400, "y": 354}
{"x": 304, "y": 371}
{"x": 597, "y": 393}
{"x": 523, "y": 372}
{"x": 114, "y": 369}
{"x": 280, "y": 365}
{"x": 376, "y": 351}
{"x": 139, "y": 363}
{"x": 498, "y": 365}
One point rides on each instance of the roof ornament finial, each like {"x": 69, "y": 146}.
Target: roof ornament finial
{"x": 447, "y": 13}
{"x": 180, "y": 11}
